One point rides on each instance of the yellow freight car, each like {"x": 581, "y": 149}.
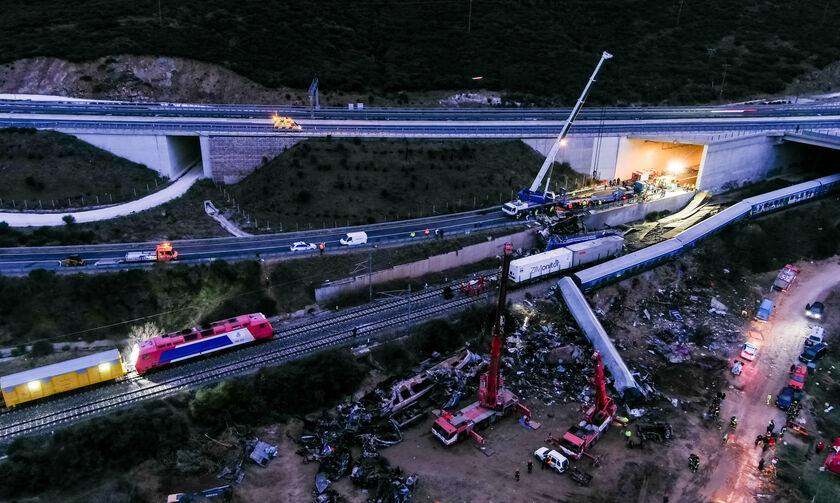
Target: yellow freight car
{"x": 60, "y": 377}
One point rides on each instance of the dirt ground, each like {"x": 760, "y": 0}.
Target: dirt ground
{"x": 463, "y": 473}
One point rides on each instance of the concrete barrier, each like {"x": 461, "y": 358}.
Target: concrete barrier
{"x": 458, "y": 258}
{"x": 635, "y": 211}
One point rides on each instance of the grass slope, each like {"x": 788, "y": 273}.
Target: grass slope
{"x": 328, "y": 182}
{"x": 674, "y": 52}
{"x": 50, "y": 166}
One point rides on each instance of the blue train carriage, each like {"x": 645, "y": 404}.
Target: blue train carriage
{"x": 713, "y": 224}
{"x": 60, "y": 377}
{"x": 829, "y": 184}
{"x": 617, "y": 268}
{"x": 794, "y": 194}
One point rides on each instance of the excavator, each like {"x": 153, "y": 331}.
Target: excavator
{"x": 494, "y": 400}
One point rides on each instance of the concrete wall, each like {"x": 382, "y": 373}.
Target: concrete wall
{"x": 232, "y": 158}
{"x": 735, "y": 161}
{"x": 464, "y": 256}
{"x": 636, "y": 211}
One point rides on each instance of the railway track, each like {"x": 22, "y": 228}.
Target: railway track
{"x": 281, "y": 350}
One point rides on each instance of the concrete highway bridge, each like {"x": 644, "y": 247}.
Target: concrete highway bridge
{"x": 715, "y": 146}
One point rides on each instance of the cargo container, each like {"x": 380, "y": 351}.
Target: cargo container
{"x": 595, "y": 250}
{"x": 60, "y": 377}
{"x": 539, "y": 265}
{"x": 561, "y": 259}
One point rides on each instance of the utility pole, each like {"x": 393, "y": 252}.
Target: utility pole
{"x": 469, "y": 18}
{"x": 370, "y": 274}
{"x": 409, "y": 309}
{"x": 160, "y": 15}
{"x": 725, "y": 67}
{"x": 679, "y": 12}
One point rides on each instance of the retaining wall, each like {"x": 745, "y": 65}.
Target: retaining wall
{"x": 635, "y": 211}
{"x": 465, "y": 256}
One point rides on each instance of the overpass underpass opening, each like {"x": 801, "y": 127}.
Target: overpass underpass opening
{"x": 184, "y": 151}
{"x": 673, "y": 161}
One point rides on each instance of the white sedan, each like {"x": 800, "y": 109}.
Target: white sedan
{"x": 302, "y": 246}
{"x": 748, "y": 351}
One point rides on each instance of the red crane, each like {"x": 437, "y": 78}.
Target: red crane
{"x": 492, "y": 381}
{"x": 605, "y": 407}
{"x": 494, "y": 401}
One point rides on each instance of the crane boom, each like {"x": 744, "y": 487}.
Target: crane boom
{"x": 489, "y": 393}
{"x": 549, "y": 159}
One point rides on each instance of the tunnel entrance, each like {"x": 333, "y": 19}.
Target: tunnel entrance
{"x": 184, "y": 152}
{"x": 662, "y": 162}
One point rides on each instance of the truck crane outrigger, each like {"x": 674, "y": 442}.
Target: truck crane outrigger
{"x": 532, "y": 198}
{"x": 494, "y": 400}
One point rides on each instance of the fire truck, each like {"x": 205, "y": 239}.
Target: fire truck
{"x": 494, "y": 400}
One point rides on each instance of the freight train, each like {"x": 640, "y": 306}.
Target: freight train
{"x": 153, "y": 353}
{"x": 651, "y": 256}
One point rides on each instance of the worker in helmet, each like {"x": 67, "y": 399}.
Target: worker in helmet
{"x": 733, "y": 422}
{"x": 693, "y": 462}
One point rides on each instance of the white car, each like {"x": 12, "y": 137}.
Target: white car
{"x": 302, "y": 246}
{"x": 553, "y": 459}
{"x": 748, "y": 351}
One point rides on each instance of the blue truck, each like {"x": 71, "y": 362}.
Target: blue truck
{"x": 764, "y": 310}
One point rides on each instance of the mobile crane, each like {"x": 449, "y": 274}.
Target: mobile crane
{"x": 494, "y": 400}
{"x": 581, "y": 437}
{"x": 532, "y": 198}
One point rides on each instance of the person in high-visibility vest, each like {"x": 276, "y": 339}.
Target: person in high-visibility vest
{"x": 427, "y": 232}
{"x": 321, "y": 247}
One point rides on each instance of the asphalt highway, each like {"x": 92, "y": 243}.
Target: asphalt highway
{"x": 460, "y": 113}
{"x": 22, "y": 260}
{"x": 420, "y": 129}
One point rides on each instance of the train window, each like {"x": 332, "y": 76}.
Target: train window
{"x": 206, "y": 332}
{"x": 186, "y": 331}
{"x": 146, "y": 356}
{"x": 190, "y": 337}
{"x": 232, "y": 320}
{"x": 262, "y": 325}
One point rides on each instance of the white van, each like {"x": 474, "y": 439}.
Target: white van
{"x": 354, "y": 238}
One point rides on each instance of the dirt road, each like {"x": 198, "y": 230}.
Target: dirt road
{"x": 731, "y": 471}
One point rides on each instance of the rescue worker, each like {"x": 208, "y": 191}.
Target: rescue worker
{"x": 758, "y": 440}
{"x": 693, "y": 462}
{"x": 769, "y": 397}
{"x": 627, "y": 437}
{"x": 733, "y": 422}
{"x": 792, "y": 368}
{"x": 820, "y": 446}
{"x": 771, "y": 426}
{"x": 516, "y": 474}
{"x": 321, "y": 247}
{"x": 427, "y": 232}
{"x": 782, "y": 432}
{"x": 414, "y": 234}
{"x": 761, "y": 465}
{"x": 530, "y": 466}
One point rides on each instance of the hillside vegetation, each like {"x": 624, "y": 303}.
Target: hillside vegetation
{"x": 666, "y": 52}
{"x": 328, "y": 182}
{"x": 47, "y": 169}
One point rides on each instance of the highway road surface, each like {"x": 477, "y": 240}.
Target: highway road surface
{"x": 22, "y": 260}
